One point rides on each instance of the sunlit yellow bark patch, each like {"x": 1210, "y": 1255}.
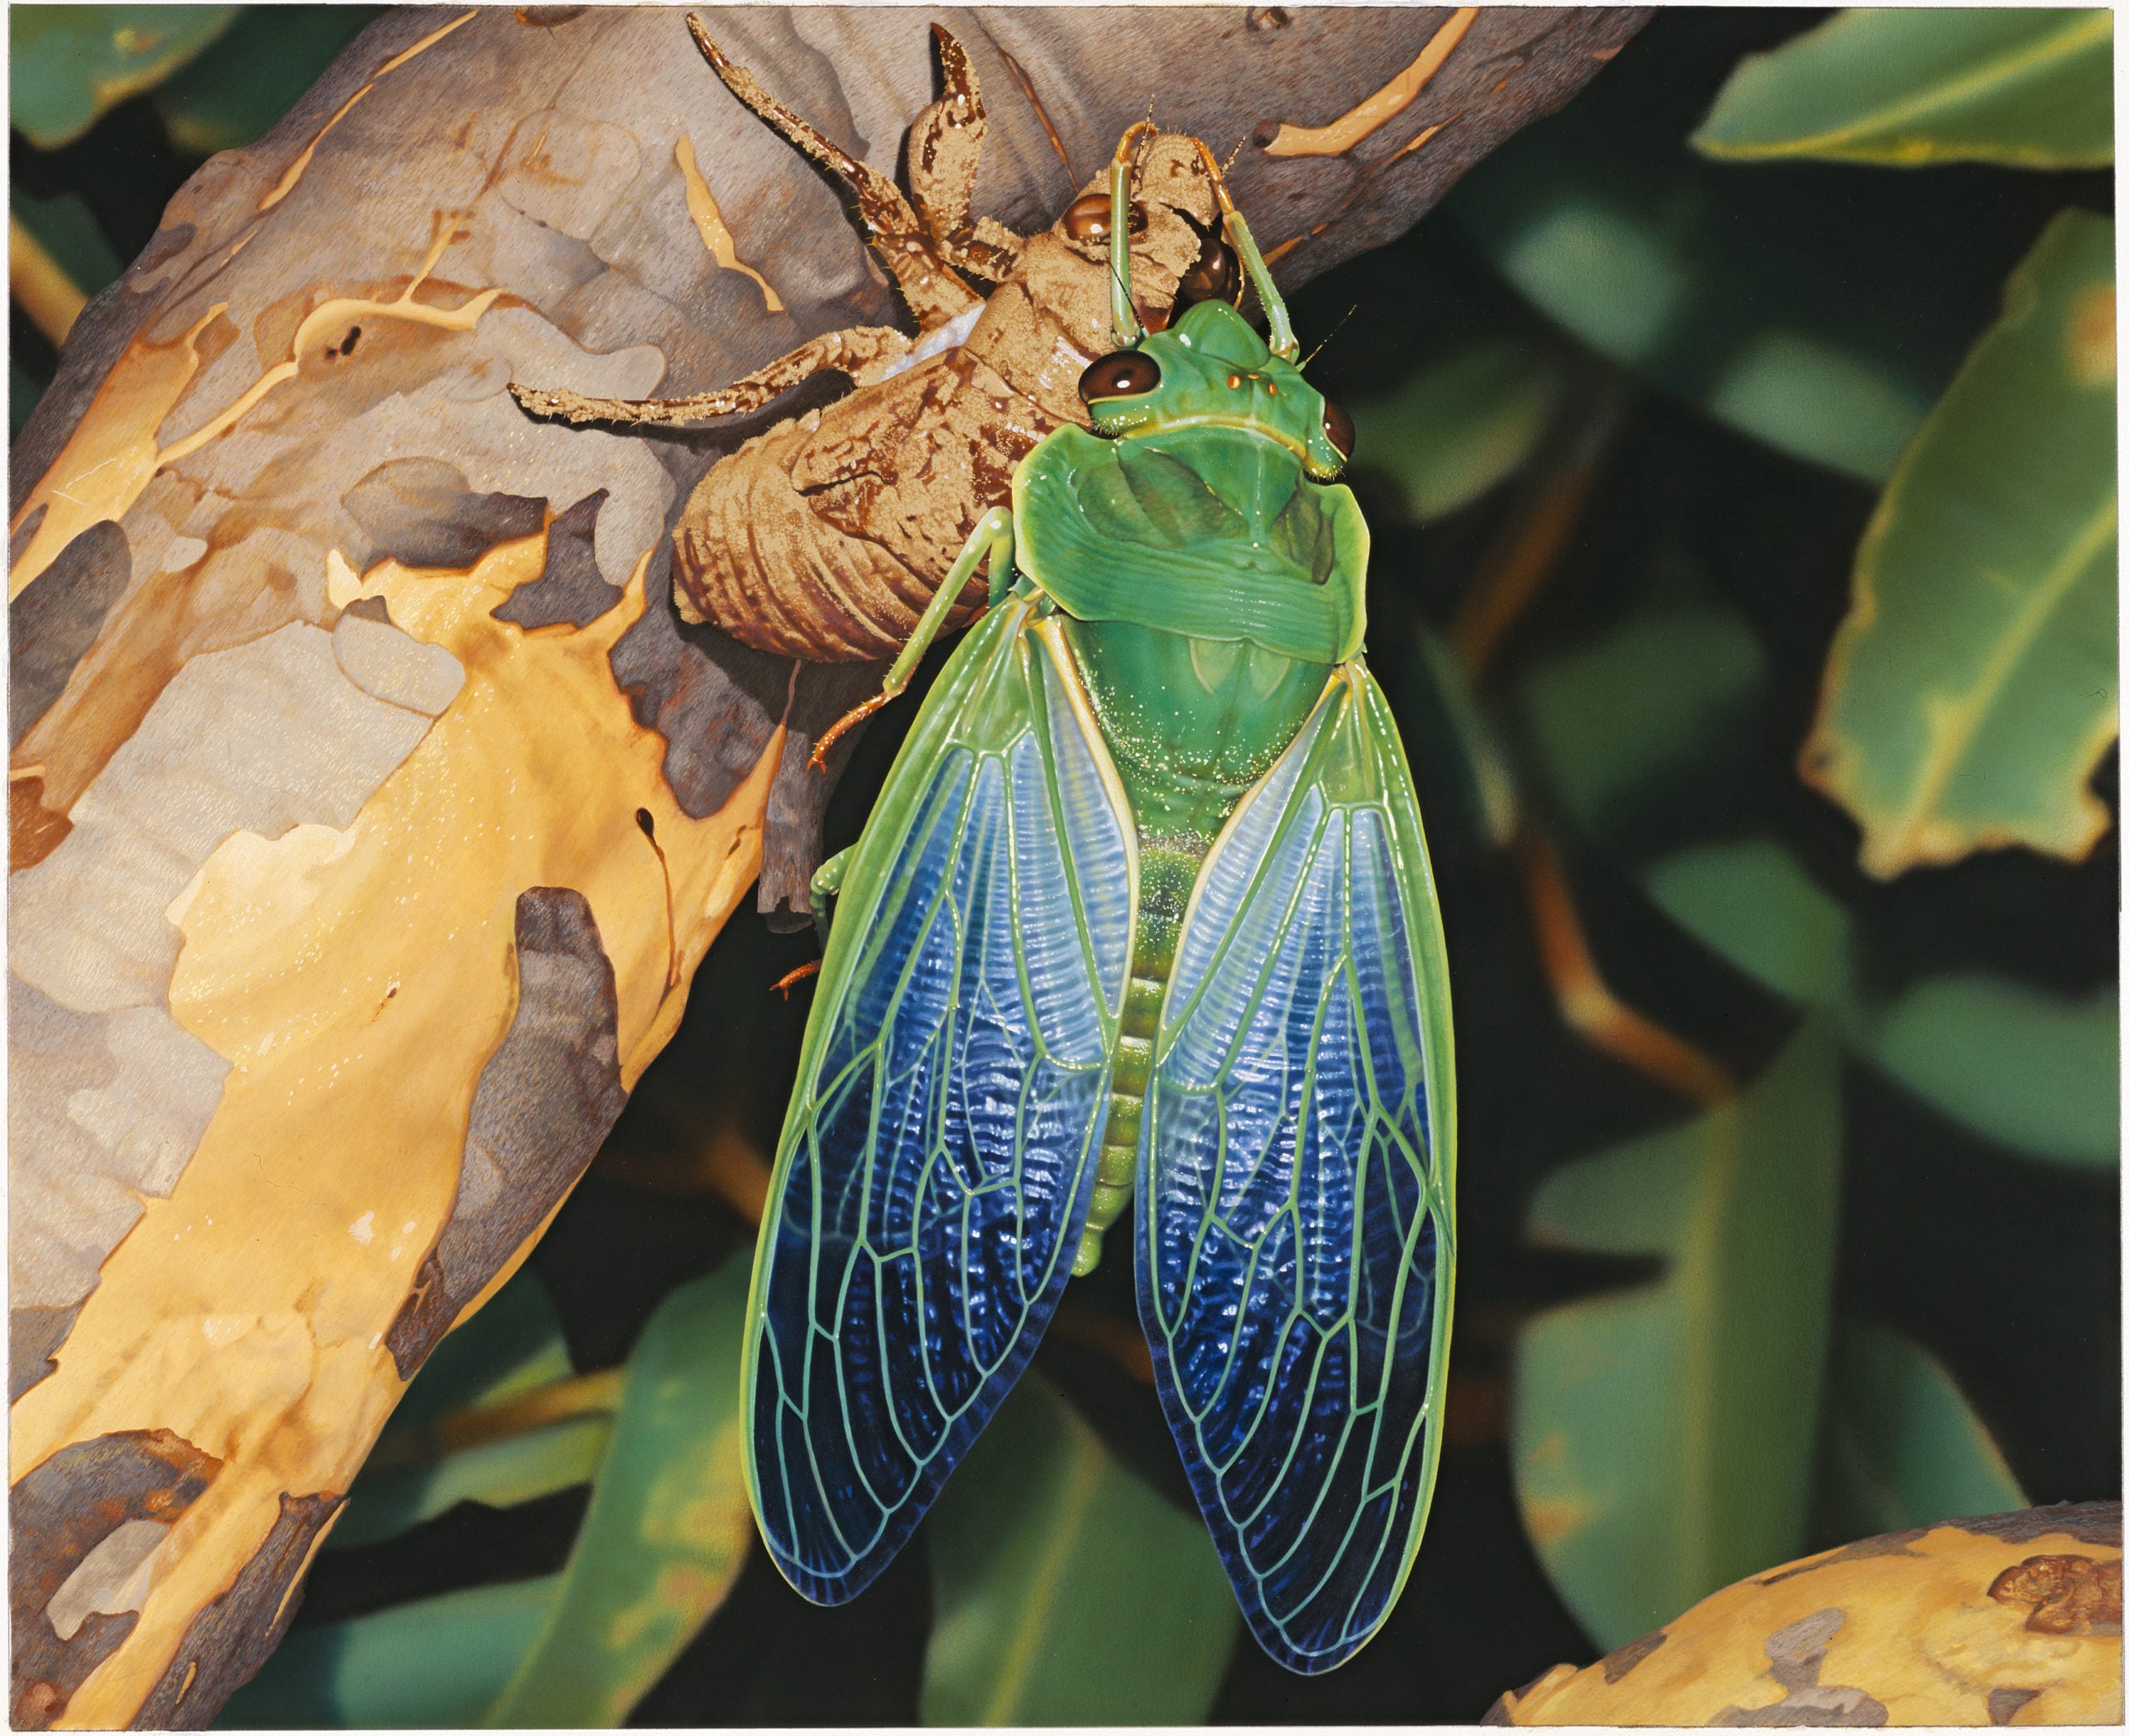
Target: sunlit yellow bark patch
{"x": 1361, "y": 120}
{"x": 102, "y": 469}
{"x": 1951, "y": 1627}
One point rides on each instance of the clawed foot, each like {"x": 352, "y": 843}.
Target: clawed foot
{"x": 849, "y": 720}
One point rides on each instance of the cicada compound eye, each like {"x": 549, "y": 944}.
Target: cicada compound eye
{"x": 1338, "y": 429}
{"x": 1125, "y": 373}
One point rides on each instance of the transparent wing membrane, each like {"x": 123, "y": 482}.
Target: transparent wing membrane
{"x": 1296, "y": 1231}
{"x": 938, "y": 1161}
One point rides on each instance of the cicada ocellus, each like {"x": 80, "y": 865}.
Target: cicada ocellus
{"x": 1144, "y": 908}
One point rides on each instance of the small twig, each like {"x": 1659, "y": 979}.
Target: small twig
{"x": 1524, "y": 557}
{"x": 1586, "y": 1001}
{"x": 560, "y": 1401}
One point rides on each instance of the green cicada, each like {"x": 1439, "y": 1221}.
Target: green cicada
{"x": 1144, "y": 907}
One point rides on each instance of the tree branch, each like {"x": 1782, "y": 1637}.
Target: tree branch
{"x": 370, "y": 806}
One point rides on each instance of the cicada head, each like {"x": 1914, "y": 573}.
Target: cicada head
{"x": 1210, "y": 368}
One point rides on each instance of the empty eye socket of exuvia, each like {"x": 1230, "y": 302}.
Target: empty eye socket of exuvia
{"x": 1086, "y": 219}
{"x": 1338, "y": 429}
{"x": 1125, "y": 373}
{"x": 1216, "y": 277}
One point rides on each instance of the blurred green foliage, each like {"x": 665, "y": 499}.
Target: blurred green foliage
{"x": 669, "y": 1526}
{"x": 1706, "y": 284}
{"x": 217, "y": 77}
{"x": 438, "y": 1664}
{"x": 1673, "y": 1436}
{"x": 2029, "y": 86}
{"x": 1456, "y": 429}
{"x": 66, "y": 65}
{"x": 514, "y": 1349}
{"x": 266, "y": 59}
{"x": 1664, "y": 1434}
{"x": 1613, "y": 718}
{"x": 2035, "y": 1071}
{"x": 1714, "y": 291}
{"x": 1903, "y": 1447}
{"x": 1720, "y": 281}
{"x": 666, "y": 1532}
{"x": 69, "y": 232}
{"x": 1064, "y": 1590}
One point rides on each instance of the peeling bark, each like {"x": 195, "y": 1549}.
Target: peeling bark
{"x": 353, "y": 723}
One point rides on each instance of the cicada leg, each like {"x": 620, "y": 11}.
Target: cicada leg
{"x": 905, "y": 245}
{"x": 858, "y": 352}
{"x": 992, "y": 537}
{"x": 945, "y": 148}
{"x": 827, "y": 887}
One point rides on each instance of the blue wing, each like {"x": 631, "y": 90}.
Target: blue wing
{"x": 1297, "y": 1239}
{"x": 939, "y": 1155}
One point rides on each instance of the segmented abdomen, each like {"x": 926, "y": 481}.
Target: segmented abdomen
{"x": 1168, "y": 868}
{"x": 825, "y": 537}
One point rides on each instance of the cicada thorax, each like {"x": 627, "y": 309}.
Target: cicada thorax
{"x": 825, "y": 537}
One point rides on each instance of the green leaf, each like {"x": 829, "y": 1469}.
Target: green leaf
{"x": 2034, "y": 1070}
{"x": 68, "y": 64}
{"x": 2031, "y": 88}
{"x": 433, "y": 1665}
{"x": 1816, "y": 310}
{"x": 1457, "y": 428}
{"x": 1662, "y": 1437}
{"x": 269, "y": 57}
{"x": 1818, "y": 398}
{"x": 1751, "y": 902}
{"x": 1064, "y": 1590}
{"x": 498, "y": 1473}
{"x": 1903, "y": 1447}
{"x": 511, "y": 1346}
{"x": 1616, "y": 717}
{"x": 71, "y": 235}
{"x": 669, "y": 1525}
{"x": 1609, "y": 277}
{"x": 1971, "y": 690}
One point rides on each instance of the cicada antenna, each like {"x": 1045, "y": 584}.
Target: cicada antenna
{"x": 1302, "y": 365}
{"x": 1284, "y": 344}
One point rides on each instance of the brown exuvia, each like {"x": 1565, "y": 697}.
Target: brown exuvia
{"x": 825, "y": 537}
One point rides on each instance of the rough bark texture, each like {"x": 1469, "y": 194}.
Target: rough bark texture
{"x": 370, "y": 804}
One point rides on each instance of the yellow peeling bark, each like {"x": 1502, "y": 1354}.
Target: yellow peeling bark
{"x": 358, "y": 980}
